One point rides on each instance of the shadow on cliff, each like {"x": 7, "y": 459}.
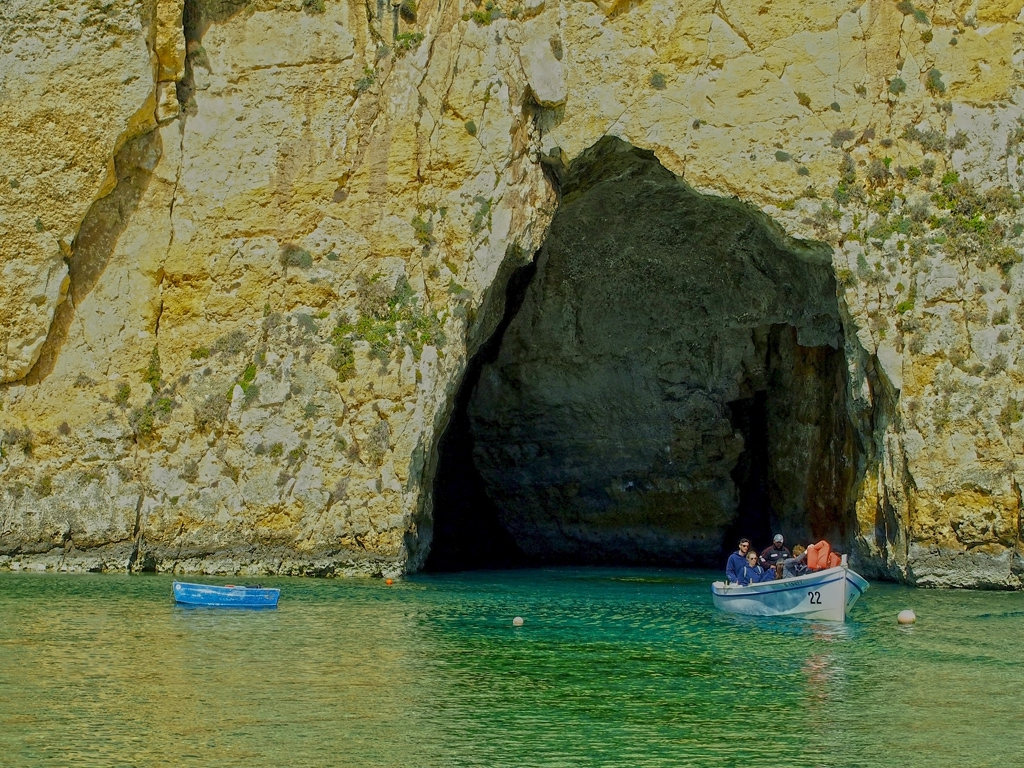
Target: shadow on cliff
{"x": 134, "y": 164}
{"x": 97, "y": 238}
{"x": 197, "y": 17}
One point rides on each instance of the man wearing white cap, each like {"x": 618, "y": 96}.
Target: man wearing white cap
{"x": 777, "y": 551}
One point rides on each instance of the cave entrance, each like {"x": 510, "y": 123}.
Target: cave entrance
{"x": 468, "y": 529}
{"x": 796, "y": 473}
{"x": 671, "y": 377}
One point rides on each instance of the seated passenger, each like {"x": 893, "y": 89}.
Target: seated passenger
{"x": 795, "y": 565}
{"x": 737, "y": 562}
{"x": 752, "y": 572}
{"x": 772, "y": 554}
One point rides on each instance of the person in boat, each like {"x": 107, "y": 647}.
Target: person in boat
{"x": 795, "y": 565}
{"x": 737, "y": 562}
{"x": 775, "y": 552}
{"x": 753, "y": 573}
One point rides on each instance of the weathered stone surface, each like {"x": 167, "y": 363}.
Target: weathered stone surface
{"x": 64, "y": 110}
{"x": 170, "y": 40}
{"x": 231, "y": 342}
{"x": 167, "y": 106}
{"x": 541, "y": 56}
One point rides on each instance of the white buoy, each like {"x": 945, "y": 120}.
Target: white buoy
{"x": 906, "y": 617}
{"x": 517, "y": 621}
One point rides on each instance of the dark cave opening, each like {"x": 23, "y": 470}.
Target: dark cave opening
{"x": 669, "y": 376}
{"x": 754, "y": 513}
{"x": 796, "y": 471}
{"x": 467, "y": 531}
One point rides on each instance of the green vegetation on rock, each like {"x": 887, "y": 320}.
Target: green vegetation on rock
{"x": 424, "y": 230}
{"x": 295, "y": 256}
{"x": 152, "y": 373}
{"x": 366, "y": 82}
{"x": 483, "y": 17}
{"x": 407, "y": 41}
{"x": 124, "y": 391}
{"x": 389, "y": 322}
{"x": 933, "y": 81}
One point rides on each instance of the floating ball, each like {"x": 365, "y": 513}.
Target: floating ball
{"x": 517, "y": 621}
{"x": 389, "y": 582}
{"x": 906, "y": 617}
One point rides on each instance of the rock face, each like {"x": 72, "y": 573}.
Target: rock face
{"x": 251, "y": 248}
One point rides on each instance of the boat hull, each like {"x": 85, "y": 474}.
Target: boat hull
{"x": 225, "y": 597}
{"x": 822, "y": 596}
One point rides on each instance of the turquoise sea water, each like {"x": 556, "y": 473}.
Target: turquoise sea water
{"x": 612, "y": 668}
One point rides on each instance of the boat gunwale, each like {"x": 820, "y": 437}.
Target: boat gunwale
{"x": 725, "y": 589}
{"x": 225, "y": 588}
{"x": 224, "y": 596}
{"x": 734, "y": 591}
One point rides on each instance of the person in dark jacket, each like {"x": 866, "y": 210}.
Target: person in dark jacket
{"x": 777, "y": 551}
{"x": 752, "y": 573}
{"x": 737, "y": 562}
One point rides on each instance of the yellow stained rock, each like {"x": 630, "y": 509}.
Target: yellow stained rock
{"x": 319, "y": 174}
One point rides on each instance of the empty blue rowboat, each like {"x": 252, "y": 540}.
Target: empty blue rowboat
{"x": 229, "y": 596}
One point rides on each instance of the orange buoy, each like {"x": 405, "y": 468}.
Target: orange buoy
{"x": 389, "y": 582}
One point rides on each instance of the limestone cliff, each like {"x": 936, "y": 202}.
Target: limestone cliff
{"x": 251, "y": 249}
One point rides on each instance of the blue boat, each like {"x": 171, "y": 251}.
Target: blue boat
{"x": 228, "y": 596}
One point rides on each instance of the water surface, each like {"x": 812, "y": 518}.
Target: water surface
{"x": 612, "y": 668}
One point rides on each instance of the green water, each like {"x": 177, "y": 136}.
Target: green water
{"x": 612, "y": 668}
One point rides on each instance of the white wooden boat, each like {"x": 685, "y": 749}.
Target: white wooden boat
{"x": 822, "y": 595}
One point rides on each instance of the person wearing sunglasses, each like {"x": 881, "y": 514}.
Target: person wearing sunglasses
{"x": 737, "y": 562}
